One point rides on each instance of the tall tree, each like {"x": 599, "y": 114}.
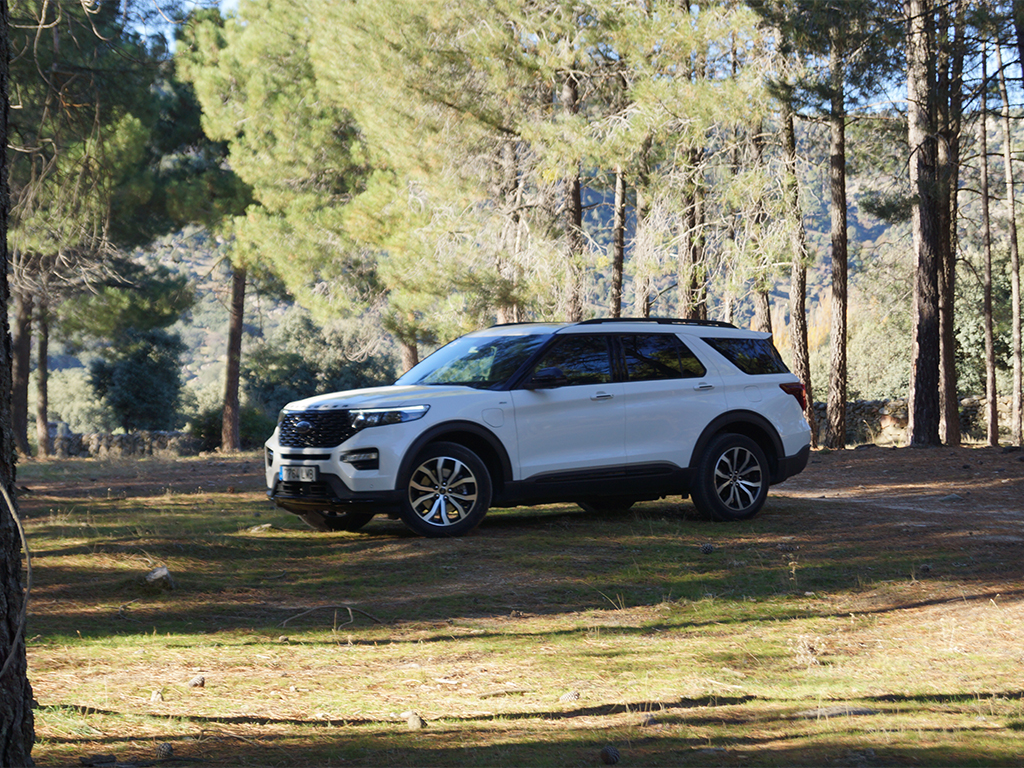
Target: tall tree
{"x": 16, "y": 721}
{"x": 836, "y": 406}
{"x": 949, "y": 114}
{"x": 1011, "y": 218}
{"x": 991, "y": 394}
{"x": 923, "y": 428}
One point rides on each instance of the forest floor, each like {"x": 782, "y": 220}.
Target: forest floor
{"x": 872, "y": 614}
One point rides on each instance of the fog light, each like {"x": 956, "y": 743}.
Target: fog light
{"x": 365, "y": 459}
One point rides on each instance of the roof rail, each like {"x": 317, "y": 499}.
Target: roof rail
{"x": 657, "y": 320}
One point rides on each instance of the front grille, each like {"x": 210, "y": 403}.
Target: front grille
{"x": 314, "y": 429}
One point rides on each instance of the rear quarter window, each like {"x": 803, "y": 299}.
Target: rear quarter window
{"x": 752, "y": 356}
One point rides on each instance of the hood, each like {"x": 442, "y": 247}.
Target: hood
{"x": 380, "y": 397}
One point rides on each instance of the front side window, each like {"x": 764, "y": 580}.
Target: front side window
{"x": 582, "y": 359}
{"x": 655, "y": 357}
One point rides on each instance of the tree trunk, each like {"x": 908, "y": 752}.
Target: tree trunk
{"x": 16, "y": 723}
{"x": 1015, "y": 428}
{"x": 230, "y": 432}
{"x": 43, "y": 382}
{"x": 950, "y": 108}
{"x": 836, "y": 437}
{"x": 923, "y": 428}
{"x": 762, "y": 311}
{"x": 410, "y": 354}
{"x": 991, "y": 404}
{"x": 798, "y": 280}
{"x": 619, "y": 241}
{"x": 20, "y": 366}
{"x": 573, "y": 216}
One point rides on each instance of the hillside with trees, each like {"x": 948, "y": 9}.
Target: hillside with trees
{"x": 306, "y": 195}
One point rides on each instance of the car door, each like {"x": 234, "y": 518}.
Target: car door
{"x": 574, "y": 423}
{"x": 670, "y": 396}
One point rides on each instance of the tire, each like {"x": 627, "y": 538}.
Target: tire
{"x": 606, "y": 505}
{"x": 336, "y": 521}
{"x": 447, "y": 493}
{"x": 732, "y": 479}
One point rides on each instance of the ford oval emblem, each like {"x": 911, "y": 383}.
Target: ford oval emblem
{"x": 303, "y": 427}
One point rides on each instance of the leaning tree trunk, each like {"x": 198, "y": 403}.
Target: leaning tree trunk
{"x": 798, "y": 281}
{"x": 1015, "y": 429}
{"x": 16, "y": 724}
{"x": 836, "y": 407}
{"x": 230, "y": 433}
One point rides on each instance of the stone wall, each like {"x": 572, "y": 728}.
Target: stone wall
{"x": 136, "y": 444}
{"x": 884, "y": 422}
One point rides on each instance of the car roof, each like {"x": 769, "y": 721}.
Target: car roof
{"x": 623, "y": 325}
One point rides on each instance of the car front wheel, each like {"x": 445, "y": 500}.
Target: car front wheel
{"x": 447, "y": 493}
{"x": 732, "y": 478}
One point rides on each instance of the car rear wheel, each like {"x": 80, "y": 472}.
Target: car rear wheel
{"x": 732, "y": 478}
{"x": 336, "y": 521}
{"x": 447, "y": 493}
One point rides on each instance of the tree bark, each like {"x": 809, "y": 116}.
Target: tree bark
{"x": 798, "y": 279}
{"x": 836, "y": 406}
{"x": 230, "y": 433}
{"x": 20, "y": 366}
{"x": 923, "y": 428}
{"x": 43, "y": 382}
{"x": 16, "y": 722}
{"x": 1011, "y": 214}
{"x": 619, "y": 241}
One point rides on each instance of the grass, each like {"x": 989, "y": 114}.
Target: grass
{"x": 808, "y": 636}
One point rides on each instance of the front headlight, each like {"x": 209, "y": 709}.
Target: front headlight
{"x": 376, "y": 417}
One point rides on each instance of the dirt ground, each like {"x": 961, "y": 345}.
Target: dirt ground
{"x": 915, "y": 481}
{"x": 981, "y": 479}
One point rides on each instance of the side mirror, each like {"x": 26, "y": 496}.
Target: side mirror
{"x": 547, "y": 378}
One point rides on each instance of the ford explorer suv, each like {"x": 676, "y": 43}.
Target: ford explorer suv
{"x": 602, "y": 413}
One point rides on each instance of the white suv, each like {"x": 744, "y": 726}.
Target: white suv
{"x": 603, "y": 413}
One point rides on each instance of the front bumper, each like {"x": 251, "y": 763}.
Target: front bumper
{"x": 329, "y": 492}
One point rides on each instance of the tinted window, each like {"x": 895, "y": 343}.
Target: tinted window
{"x": 659, "y": 356}
{"x": 583, "y": 359}
{"x": 753, "y": 356}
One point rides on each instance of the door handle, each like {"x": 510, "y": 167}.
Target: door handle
{"x": 602, "y": 396}
{"x": 704, "y": 387}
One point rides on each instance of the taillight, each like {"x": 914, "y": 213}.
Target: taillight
{"x": 797, "y": 391}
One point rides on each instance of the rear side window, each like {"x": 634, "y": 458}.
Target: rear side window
{"x": 753, "y": 356}
{"x": 582, "y": 359}
{"x": 655, "y": 357}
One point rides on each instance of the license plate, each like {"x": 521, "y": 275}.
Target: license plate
{"x": 298, "y": 474}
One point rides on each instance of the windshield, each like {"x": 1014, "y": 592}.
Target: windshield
{"x": 484, "y": 362}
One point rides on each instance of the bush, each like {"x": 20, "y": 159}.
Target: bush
{"x": 255, "y": 426}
